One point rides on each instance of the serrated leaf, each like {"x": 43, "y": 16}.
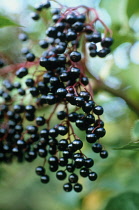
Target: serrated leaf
{"x": 130, "y": 146}
{"x": 132, "y": 7}
{"x": 135, "y": 131}
{"x": 5, "y": 21}
{"x": 125, "y": 201}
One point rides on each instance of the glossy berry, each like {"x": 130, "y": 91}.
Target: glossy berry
{"x": 44, "y": 133}
{"x": 71, "y": 35}
{"x": 31, "y": 129}
{"x": 73, "y": 178}
{"x": 71, "y": 18}
{"x": 62, "y": 145}
{"x": 21, "y": 91}
{"x": 45, "y": 179}
{"x": 92, "y": 176}
{"x": 67, "y": 187}
{"x": 34, "y": 91}
{"x": 98, "y": 110}
{"x": 79, "y": 162}
{"x": 73, "y": 116}
{"x": 78, "y": 26}
{"x": 88, "y": 162}
{"x": 19, "y": 108}
{"x": 43, "y": 44}
{"x": 22, "y": 72}
{"x": 17, "y": 85}
{"x": 96, "y": 37}
{"x": 40, "y": 170}
{"x": 78, "y": 144}
{"x": 61, "y": 92}
{"x": 91, "y": 137}
{"x": 90, "y": 119}
{"x": 51, "y": 32}
{"x": 84, "y": 81}
{"x": 78, "y": 187}
{"x": 87, "y": 107}
{"x": 70, "y": 167}
{"x": 103, "y": 154}
{"x": 46, "y": 4}
{"x": 75, "y": 56}
{"x": 53, "y": 160}
{"x": 99, "y": 123}
{"x": 74, "y": 73}
{"x": 61, "y": 175}
{"x": 29, "y": 116}
{"x": 63, "y": 161}
{"x": 30, "y": 82}
{"x": 30, "y": 108}
{"x": 100, "y": 132}
{"x": 84, "y": 172}
{"x": 53, "y": 168}
{"x": 93, "y": 53}
{"x": 21, "y": 144}
{"x": 97, "y": 147}
{"x": 35, "y": 16}
{"x": 38, "y": 7}
{"x": 61, "y": 115}
{"x": 40, "y": 121}
{"x": 62, "y": 130}
{"x": 30, "y": 57}
{"x": 102, "y": 53}
{"x": 53, "y": 132}
{"x": 107, "y": 42}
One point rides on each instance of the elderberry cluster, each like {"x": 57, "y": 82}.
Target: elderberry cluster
{"x": 61, "y": 84}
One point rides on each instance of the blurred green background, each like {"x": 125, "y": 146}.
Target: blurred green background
{"x": 117, "y": 186}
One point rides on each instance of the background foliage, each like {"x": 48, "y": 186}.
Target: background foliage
{"x": 117, "y": 185}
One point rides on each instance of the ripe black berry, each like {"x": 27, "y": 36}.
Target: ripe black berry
{"x": 40, "y": 170}
{"x": 92, "y": 176}
{"x": 61, "y": 175}
{"x": 40, "y": 120}
{"x": 97, "y": 147}
{"x": 91, "y": 137}
{"x": 67, "y": 187}
{"x": 84, "y": 172}
{"x": 45, "y": 179}
{"x": 46, "y": 4}
{"x": 78, "y": 144}
{"x": 88, "y": 162}
{"x": 30, "y": 82}
{"x": 107, "y": 42}
{"x": 75, "y": 56}
{"x": 98, "y": 110}
{"x": 73, "y": 178}
{"x": 78, "y": 187}
{"x": 35, "y": 16}
{"x": 61, "y": 115}
{"x": 30, "y": 57}
{"x": 22, "y": 72}
{"x": 100, "y": 132}
{"x": 103, "y": 154}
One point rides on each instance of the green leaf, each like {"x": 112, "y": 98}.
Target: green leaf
{"x": 135, "y": 131}
{"x": 124, "y": 201}
{"x": 130, "y": 146}
{"x": 5, "y": 21}
{"x": 133, "y": 145}
{"x": 132, "y": 7}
